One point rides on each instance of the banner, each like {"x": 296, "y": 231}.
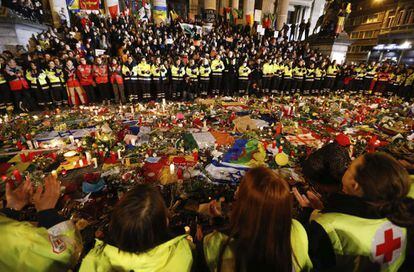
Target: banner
{"x": 210, "y": 15}
{"x": 113, "y": 11}
{"x": 89, "y": 4}
{"x": 159, "y": 11}
{"x": 73, "y": 5}
{"x": 112, "y": 7}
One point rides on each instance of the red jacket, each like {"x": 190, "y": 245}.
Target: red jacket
{"x": 84, "y": 72}
{"x": 71, "y": 77}
{"x": 100, "y": 72}
{"x": 115, "y": 72}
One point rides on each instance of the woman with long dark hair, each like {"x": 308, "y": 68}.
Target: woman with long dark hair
{"x": 263, "y": 236}
{"x": 138, "y": 238}
{"x": 370, "y": 226}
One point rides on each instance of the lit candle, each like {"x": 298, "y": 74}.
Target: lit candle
{"x": 54, "y": 173}
{"x": 81, "y": 163}
{"x": 172, "y": 169}
{"x": 88, "y": 157}
{"x": 30, "y": 144}
{"x": 95, "y": 162}
{"x": 72, "y": 139}
{"x": 17, "y": 175}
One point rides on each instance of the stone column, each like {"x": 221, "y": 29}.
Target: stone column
{"x": 57, "y": 8}
{"x": 193, "y": 9}
{"x": 268, "y": 7}
{"x": 248, "y": 9}
{"x": 223, "y": 4}
{"x": 235, "y": 4}
{"x": 159, "y": 10}
{"x": 316, "y": 12}
{"x": 281, "y": 14}
{"x": 210, "y": 8}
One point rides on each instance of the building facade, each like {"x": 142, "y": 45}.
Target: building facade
{"x": 381, "y": 30}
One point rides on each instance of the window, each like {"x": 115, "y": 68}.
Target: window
{"x": 399, "y": 18}
{"x": 372, "y": 18}
{"x": 390, "y": 21}
{"x": 409, "y": 19}
{"x": 357, "y": 20}
{"x": 368, "y": 34}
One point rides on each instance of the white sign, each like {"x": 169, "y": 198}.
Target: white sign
{"x": 257, "y": 15}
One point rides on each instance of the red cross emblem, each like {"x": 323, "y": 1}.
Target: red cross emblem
{"x": 387, "y": 245}
{"x": 387, "y": 248}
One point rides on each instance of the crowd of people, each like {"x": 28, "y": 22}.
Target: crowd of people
{"x": 102, "y": 59}
{"x": 357, "y": 216}
{"x": 32, "y": 10}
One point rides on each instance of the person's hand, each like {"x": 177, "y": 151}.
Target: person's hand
{"x": 310, "y": 200}
{"x": 47, "y": 199}
{"x": 19, "y": 197}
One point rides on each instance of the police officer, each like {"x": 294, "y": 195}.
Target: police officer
{"x": 319, "y": 78}
{"x": 217, "y": 68}
{"x": 358, "y": 78}
{"x": 244, "y": 72}
{"x": 144, "y": 78}
{"x": 39, "y": 85}
{"x": 159, "y": 77}
{"x": 309, "y": 78}
{"x": 193, "y": 72}
{"x": 298, "y": 73}
{"x": 287, "y": 77}
{"x": 205, "y": 71}
{"x": 331, "y": 72}
{"x": 369, "y": 77}
{"x": 268, "y": 74}
{"x": 57, "y": 84}
{"x": 277, "y": 68}
{"x": 130, "y": 78}
{"x": 230, "y": 75}
{"x": 177, "y": 75}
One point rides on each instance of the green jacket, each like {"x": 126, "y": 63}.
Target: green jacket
{"x": 214, "y": 241}
{"x": 172, "y": 256}
{"x": 30, "y": 249}
{"x": 366, "y": 240}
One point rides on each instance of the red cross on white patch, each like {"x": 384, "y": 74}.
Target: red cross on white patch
{"x": 388, "y": 244}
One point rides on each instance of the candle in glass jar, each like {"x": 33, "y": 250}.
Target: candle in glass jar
{"x": 95, "y": 162}
{"x": 88, "y": 157}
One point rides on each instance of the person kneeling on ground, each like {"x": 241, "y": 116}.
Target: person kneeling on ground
{"x": 54, "y": 245}
{"x": 262, "y": 236}
{"x": 370, "y": 226}
{"x": 138, "y": 238}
